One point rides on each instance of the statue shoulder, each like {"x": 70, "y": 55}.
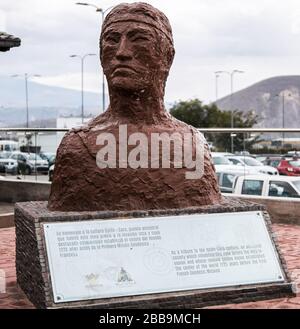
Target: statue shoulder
{"x": 70, "y": 137}
{"x": 70, "y": 144}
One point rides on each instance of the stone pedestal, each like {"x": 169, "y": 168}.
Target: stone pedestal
{"x": 33, "y": 274}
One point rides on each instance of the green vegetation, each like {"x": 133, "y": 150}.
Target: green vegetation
{"x": 195, "y": 113}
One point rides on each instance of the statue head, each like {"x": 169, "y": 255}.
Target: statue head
{"x": 136, "y": 48}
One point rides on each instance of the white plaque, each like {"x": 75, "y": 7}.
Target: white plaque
{"x": 108, "y": 258}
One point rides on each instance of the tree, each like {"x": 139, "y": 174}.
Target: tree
{"x": 195, "y": 113}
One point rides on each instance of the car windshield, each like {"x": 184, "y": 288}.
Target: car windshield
{"x": 221, "y": 161}
{"x": 295, "y": 163}
{"x": 252, "y": 162}
{"x": 297, "y": 184}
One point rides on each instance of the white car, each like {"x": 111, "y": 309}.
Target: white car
{"x": 266, "y": 185}
{"x": 8, "y": 165}
{"x": 223, "y": 164}
{"x": 252, "y": 165}
{"x": 32, "y": 162}
{"x": 226, "y": 180}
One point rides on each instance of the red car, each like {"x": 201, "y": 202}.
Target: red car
{"x": 289, "y": 167}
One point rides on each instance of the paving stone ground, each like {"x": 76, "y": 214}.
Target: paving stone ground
{"x": 288, "y": 237}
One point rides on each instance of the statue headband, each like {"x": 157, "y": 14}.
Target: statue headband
{"x": 154, "y": 19}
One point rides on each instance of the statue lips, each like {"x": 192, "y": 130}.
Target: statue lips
{"x": 121, "y": 70}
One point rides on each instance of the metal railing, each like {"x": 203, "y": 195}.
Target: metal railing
{"x": 249, "y": 130}
{"x": 37, "y": 130}
{"x": 203, "y": 130}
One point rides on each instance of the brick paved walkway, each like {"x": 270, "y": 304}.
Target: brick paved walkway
{"x": 288, "y": 237}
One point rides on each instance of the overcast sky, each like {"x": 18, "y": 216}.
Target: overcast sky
{"x": 260, "y": 37}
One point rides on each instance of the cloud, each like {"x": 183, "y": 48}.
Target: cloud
{"x": 2, "y": 20}
{"x": 92, "y": 82}
{"x": 258, "y": 36}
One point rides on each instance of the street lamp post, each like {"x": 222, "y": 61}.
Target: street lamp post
{"x": 283, "y": 103}
{"x": 231, "y": 74}
{"x": 217, "y": 77}
{"x": 82, "y": 58}
{"x": 283, "y": 112}
{"x": 102, "y": 11}
{"x": 26, "y": 76}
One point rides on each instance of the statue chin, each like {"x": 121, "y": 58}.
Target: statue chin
{"x": 127, "y": 83}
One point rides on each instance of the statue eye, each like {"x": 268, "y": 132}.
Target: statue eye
{"x": 112, "y": 39}
{"x": 139, "y": 38}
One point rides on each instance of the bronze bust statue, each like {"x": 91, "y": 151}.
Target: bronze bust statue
{"x": 93, "y": 173}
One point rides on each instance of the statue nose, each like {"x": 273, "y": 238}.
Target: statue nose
{"x": 124, "y": 51}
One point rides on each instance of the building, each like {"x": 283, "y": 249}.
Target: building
{"x": 49, "y": 141}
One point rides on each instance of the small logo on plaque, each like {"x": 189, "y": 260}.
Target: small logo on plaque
{"x": 124, "y": 278}
{"x": 92, "y": 280}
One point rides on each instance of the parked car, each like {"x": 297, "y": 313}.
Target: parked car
{"x": 219, "y": 159}
{"x": 49, "y": 156}
{"x": 7, "y": 164}
{"x": 294, "y": 154}
{"x": 51, "y": 160}
{"x": 272, "y": 161}
{"x": 261, "y": 159}
{"x": 226, "y": 180}
{"x": 252, "y": 165}
{"x": 223, "y": 164}
{"x": 266, "y": 158}
{"x": 29, "y": 163}
{"x": 51, "y": 171}
{"x": 222, "y": 154}
{"x": 266, "y": 185}
{"x": 243, "y": 153}
{"x": 2, "y": 165}
{"x": 289, "y": 167}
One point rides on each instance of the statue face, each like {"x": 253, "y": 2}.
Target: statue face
{"x": 131, "y": 56}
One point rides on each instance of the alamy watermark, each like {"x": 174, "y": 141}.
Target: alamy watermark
{"x": 2, "y": 282}
{"x": 156, "y": 150}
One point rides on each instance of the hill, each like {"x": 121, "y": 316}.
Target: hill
{"x": 45, "y": 102}
{"x": 269, "y": 99}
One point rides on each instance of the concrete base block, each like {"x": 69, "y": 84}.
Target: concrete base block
{"x": 33, "y": 274}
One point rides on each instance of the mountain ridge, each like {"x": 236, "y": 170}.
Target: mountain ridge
{"x": 45, "y": 102}
{"x": 275, "y": 100}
